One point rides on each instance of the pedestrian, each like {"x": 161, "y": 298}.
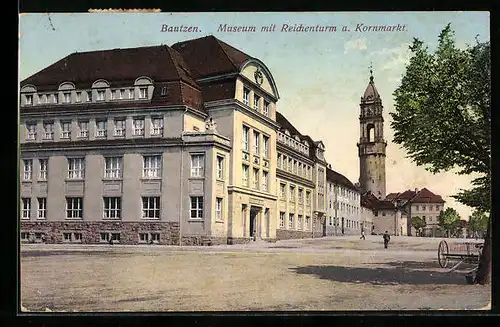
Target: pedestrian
{"x": 43, "y": 238}
{"x": 362, "y": 235}
{"x": 342, "y": 231}
{"x": 387, "y": 238}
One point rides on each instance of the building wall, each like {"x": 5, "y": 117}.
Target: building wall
{"x": 431, "y": 213}
{"x": 344, "y": 205}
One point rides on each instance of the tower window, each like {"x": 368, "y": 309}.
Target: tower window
{"x": 370, "y": 132}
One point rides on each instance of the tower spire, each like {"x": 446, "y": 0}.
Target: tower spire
{"x": 371, "y": 72}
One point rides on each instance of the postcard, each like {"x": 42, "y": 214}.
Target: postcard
{"x": 277, "y": 161}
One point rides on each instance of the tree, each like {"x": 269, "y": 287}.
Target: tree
{"x": 478, "y": 222}
{"x": 418, "y": 223}
{"x": 443, "y": 119}
{"x": 449, "y": 220}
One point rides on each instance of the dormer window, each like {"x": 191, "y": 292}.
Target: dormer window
{"x": 131, "y": 94}
{"x": 55, "y": 98}
{"x": 122, "y": 94}
{"x": 42, "y": 98}
{"x": 164, "y": 91}
{"x": 67, "y": 97}
{"x": 100, "y": 95}
{"x": 89, "y": 96}
{"x": 246, "y": 96}
{"x": 114, "y": 95}
{"x": 78, "y": 96}
{"x": 143, "y": 93}
{"x": 29, "y": 99}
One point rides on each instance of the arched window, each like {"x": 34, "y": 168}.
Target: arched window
{"x": 370, "y": 132}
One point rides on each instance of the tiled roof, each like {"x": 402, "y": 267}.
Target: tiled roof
{"x": 209, "y": 56}
{"x": 117, "y": 66}
{"x": 286, "y": 125}
{"x": 368, "y": 200}
{"x": 337, "y": 178}
{"x": 426, "y": 196}
{"x": 371, "y": 92}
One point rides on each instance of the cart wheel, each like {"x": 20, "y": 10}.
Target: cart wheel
{"x": 443, "y": 254}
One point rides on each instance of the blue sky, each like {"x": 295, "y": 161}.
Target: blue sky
{"x": 320, "y": 76}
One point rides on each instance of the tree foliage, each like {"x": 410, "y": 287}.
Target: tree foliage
{"x": 478, "y": 222}
{"x": 418, "y": 223}
{"x": 449, "y": 220}
{"x": 443, "y": 112}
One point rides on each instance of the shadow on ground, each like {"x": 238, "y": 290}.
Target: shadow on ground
{"x": 397, "y": 273}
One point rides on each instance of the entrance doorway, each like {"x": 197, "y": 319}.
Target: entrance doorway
{"x": 253, "y": 225}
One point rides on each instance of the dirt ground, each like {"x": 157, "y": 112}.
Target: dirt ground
{"x": 321, "y": 274}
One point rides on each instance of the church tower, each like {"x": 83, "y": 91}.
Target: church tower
{"x": 371, "y": 146}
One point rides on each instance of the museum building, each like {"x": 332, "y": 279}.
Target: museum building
{"x": 161, "y": 144}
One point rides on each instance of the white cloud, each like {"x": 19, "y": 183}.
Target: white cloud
{"x": 393, "y": 59}
{"x": 353, "y": 45}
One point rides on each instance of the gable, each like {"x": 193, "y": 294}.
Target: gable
{"x": 251, "y": 68}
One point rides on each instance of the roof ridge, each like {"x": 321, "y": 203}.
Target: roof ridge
{"x": 222, "y": 48}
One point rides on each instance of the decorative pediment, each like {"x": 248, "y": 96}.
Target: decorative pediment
{"x": 287, "y": 132}
{"x": 143, "y": 80}
{"x": 100, "y": 83}
{"x": 28, "y": 88}
{"x": 255, "y": 70}
{"x": 66, "y": 86}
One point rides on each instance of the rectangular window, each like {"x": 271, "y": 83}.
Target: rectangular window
{"x": 139, "y": 126}
{"x": 308, "y": 222}
{"x": 308, "y": 198}
{"x": 292, "y": 193}
{"x": 78, "y": 96}
{"x": 423, "y": 208}
{"x": 143, "y": 93}
{"x": 290, "y": 220}
{"x": 330, "y": 221}
{"x": 43, "y": 169}
{"x": 119, "y": 127}
{"x": 437, "y": 208}
{"x": 101, "y": 128}
{"x": 245, "y": 175}
{"x": 151, "y": 166}
{"x": 196, "y": 207}
{"x": 218, "y": 208}
{"x": 31, "y": 131}
{"x": 83, "y": 129}
{"x": 157, "y": 126}
{"x": 256, "y": 178}
{"x": 301, "y": 196}
{"x": 122, "y": 94}
{"x": 151, "y": 207}
{"x": 295, "y": 166}
{"x": 25, "y": 236}
{"x": 100, "y": 95}
{"x": 279, "y": 161}
{"x": 56, "y": 98}
{"x": 265, "y": 140}
{"x": 256, "y": 100}
{"x": 264, "y": 180}
{"x": 266, "y": 108}
{"x": 26, "y": 208}
{"x": 246, "y": 138}
{"x": 197, "y": 165}
{"x": 67, "y": 97}
{"x": 27, "y": 169}
{"x": 149, "y": 237}
{"x": 282, "y": 219}
{"x": 290, "y": 164}
{"x": 89, "y": 96}
{"x": 246, "y": 96}
{"x": 48, "y": 131}
{"x": 42, "y": 208}
{"x": 113, "y": 167}
{"x": 299, "y": 222}
{"x": 283, "y": 191}
{"x": 256, "y": 143}
{"x": 131, "y": 94}
{"x": 65, "y": 130}
{"x": 74, "y": 208}
{"x": 112, "y": 207}
{"x": 220, "y": 167}
{"x": 114, "y": 94}
{"x": 29, "y": 99}
{"x": 76, "y": 167}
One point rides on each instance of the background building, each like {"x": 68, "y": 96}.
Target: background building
{"x": 344, "y": 214}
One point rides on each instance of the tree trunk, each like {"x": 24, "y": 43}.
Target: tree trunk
{"x": 483, "y": 275}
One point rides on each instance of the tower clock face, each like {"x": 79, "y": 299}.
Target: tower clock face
{"x": 259, "y": 78}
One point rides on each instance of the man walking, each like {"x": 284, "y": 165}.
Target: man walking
{"x": 362, "y": 235}
{"x": 387, "y": 238}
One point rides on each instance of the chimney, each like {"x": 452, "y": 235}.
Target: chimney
{"x": 416, "y": 190}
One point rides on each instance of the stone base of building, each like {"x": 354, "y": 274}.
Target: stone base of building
{"x": 283, "y": 234}
{"x": 90, "y": 232}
